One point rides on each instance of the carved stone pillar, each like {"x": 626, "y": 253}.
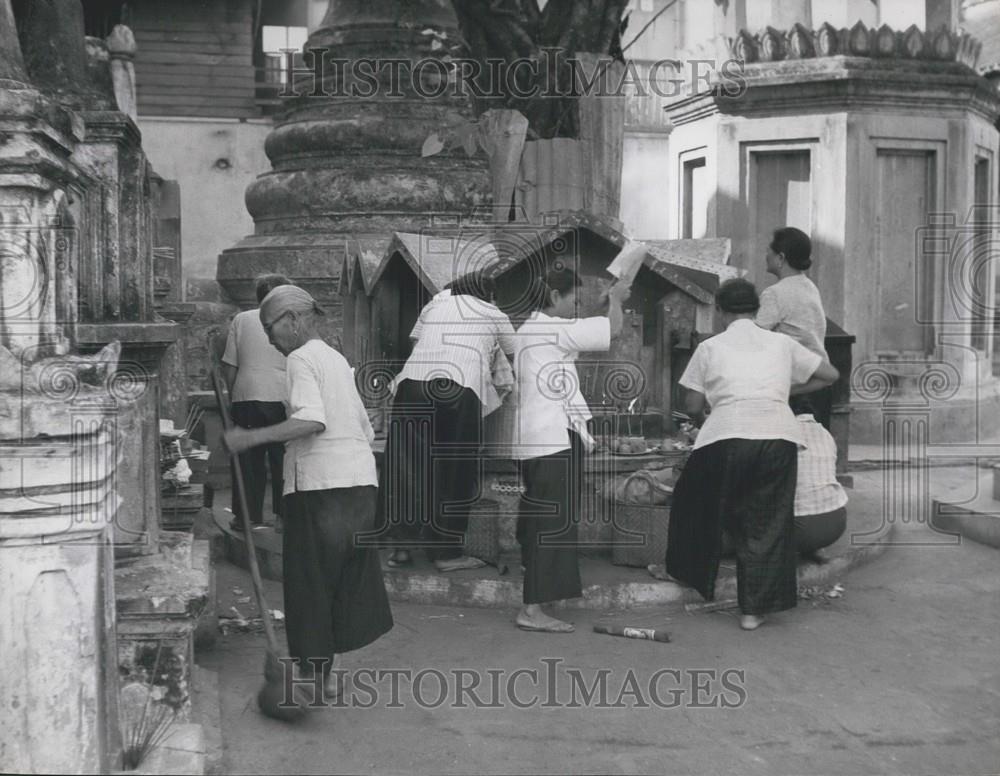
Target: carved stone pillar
{"x": 12, "y": 72}
{"x": 54, "y": 49}
{"x": 58, "y": 445}
{"x": 121, "y": 46}
{"x": 345, "y": 166}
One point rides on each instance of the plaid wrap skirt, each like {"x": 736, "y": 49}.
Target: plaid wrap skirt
{"x": 747, "y": 487}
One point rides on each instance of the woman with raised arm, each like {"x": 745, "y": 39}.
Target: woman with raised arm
{"x": 551, "y": 438}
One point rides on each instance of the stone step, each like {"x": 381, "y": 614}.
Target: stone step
{"x": 605, "y": 586}
{"x": 977, "y": 518}
{"x": 161, "y": 601}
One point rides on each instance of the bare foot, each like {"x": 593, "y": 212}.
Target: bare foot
{"x": 399, "y": 558}
{"x": 659, "y": 571}
{"x": 459, "y": 564}
{"x": 534, "y": 619}
{"x": 333, "y": 686}
{"x": 751, "y": 622}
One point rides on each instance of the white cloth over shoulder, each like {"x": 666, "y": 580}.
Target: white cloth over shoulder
{"x": 260, "y": 368}
{"x": 321, "y": 389}
{"x": 746, "y": 374}
{"x": 550, "y": 402}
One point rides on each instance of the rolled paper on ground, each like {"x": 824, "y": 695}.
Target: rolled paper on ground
{"x": 628, "y": 632}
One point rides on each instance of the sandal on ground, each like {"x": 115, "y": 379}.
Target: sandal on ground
{"x": 236, "y": 524}
{"x": 749, "y": 622}
{"x": 557, "y": 626}
{"x": 398, "y": 559}
{"x": 659, "y": 571}
{"x": 459, "y": 564}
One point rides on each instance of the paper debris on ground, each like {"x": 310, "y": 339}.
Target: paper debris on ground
{"x": 819, "y": 594}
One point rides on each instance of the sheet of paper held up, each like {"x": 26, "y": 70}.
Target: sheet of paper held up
{"x": 626, "y": 264}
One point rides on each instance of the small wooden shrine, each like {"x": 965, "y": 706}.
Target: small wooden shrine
{"x": 385, "y": 285}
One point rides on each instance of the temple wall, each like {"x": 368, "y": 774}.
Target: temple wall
{"x": 213, "y": 160}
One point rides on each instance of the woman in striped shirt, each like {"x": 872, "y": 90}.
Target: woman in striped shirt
{"x": 430, "y": 477}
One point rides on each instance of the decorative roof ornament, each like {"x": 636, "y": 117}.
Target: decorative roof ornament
{"x": 827, "y": 41}
{"x": 885, "y": 42}
{"x": 913, "y": 42}
{"x": 772, "y": 45}
{"x": 799, "y": 42}
{"x": 944, "y": 45}
{"x": 744, "y": 47}
{"x": 859, "y": 40}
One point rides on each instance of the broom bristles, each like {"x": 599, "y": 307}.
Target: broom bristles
{"x": 274, "y": 671}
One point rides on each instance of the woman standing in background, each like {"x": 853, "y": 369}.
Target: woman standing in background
{"x": 255, "y": 375}
{"x": 793, "y": 305}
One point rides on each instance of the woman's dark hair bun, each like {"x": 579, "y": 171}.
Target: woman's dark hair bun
{"x": 737, "y": 296}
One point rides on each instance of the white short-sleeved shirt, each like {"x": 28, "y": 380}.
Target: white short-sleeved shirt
{"x": 816, "y": 489}
{"x": 745, "y": 374}
{"x": 549, "y": 401}
{"x": 456, "y": 338}
{"x": 793, "y": 306}
{"x": 321, "y": 388}
{"x": 260, "y": 368}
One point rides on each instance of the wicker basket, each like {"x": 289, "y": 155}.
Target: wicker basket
{"x": 639, "y": 532}
{"x": 482, "y": 539}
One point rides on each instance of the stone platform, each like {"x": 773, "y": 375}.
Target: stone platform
{"x": 606, "y": 586}
{"x": 162, "y": 602}
{"x": 977, "y": 518}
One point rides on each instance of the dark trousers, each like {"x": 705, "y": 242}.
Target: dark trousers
{"x": 335, "y": 598}
{"x": 747, "y": 488}
{"x": 258, "y": 414}
{"x": 547, "y": 524}
{"x": 430, "y": 472}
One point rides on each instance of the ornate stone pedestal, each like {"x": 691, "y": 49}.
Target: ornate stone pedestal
{"x": 57, "y": 602}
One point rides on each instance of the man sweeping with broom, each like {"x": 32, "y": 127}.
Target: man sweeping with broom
{"x": 335, "y": 599}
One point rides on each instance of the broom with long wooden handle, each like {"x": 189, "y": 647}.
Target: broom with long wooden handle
{"x": 271, "y": 698}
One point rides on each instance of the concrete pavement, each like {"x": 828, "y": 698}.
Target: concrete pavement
{"x": 900, "y": 675}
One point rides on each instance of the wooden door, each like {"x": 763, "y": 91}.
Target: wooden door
{"x": 905, "y": 181}
{"x": 781, "y": 196}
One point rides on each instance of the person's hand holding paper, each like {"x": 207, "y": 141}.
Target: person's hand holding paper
{"x": 625, "y": 266}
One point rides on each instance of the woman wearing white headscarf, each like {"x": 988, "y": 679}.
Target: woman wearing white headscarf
{"x": 335, "y": 599}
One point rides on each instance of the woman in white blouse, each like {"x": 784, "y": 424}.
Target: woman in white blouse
{"x": 335, "y": 599}
{"x": 742, "y": 472}
{"x": 430, "y": 474}
{"x": 551, "y": 437}
{"x": 793, "y": 305}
